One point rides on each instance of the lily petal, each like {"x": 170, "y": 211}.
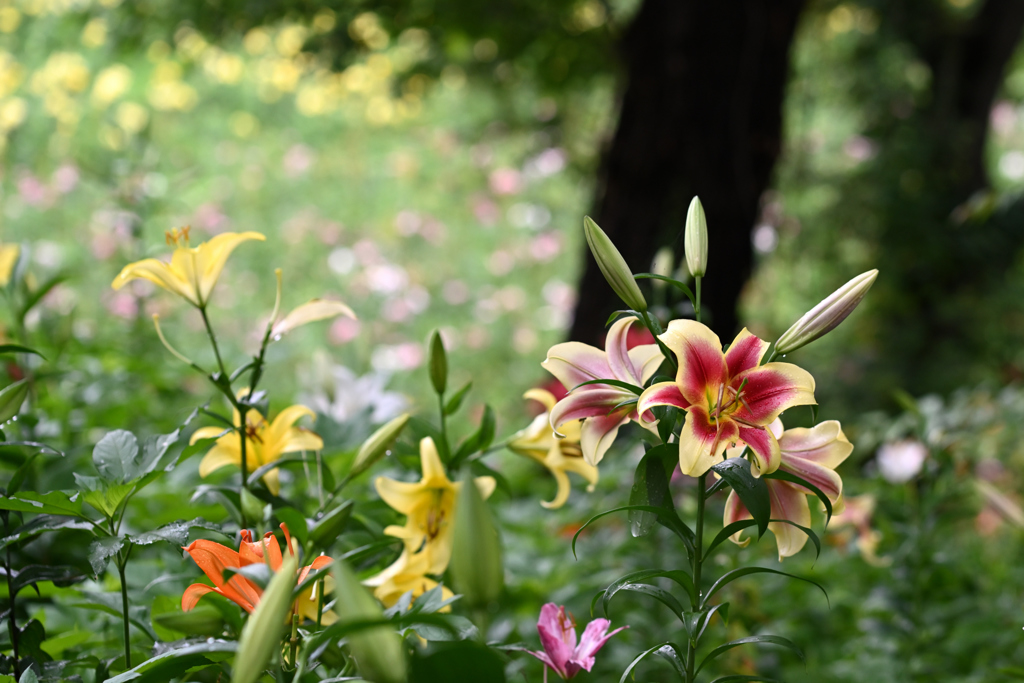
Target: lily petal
{"x": 191, "y": 596}
{"x": 593, "y": 639}
{"x": 770, "y": 389}
{"x": 647, "y": 358}
{"x": 698, "y": 350}
{"x": 399, "y": 495}
{"x": 573, "y": 363}
{"x": 617, "y": 352}
{"x": 736, "y": 511}
{"x": 598, "y": 433}
{"x": 211, "y": 256}
{"x": 542, "y": 396}
{"x": 434, "y": 475}
{"x": 221, "y": 455}
{"x": 661, "y": 394}
{"x": 745, "y": 352}
{"x": 764, "y": 446}
{"x": 597, "y": 402}
{"x": 697, "y": 439}
{"x": 824, "y": 444}
{"x": 790, "y": 503}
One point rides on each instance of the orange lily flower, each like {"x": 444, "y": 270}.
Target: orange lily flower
{"x": 214, "y": 558}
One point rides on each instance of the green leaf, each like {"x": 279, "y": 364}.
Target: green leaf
{"x": 753, "y": 491}
{"x": 18, "y": 348}
{"x": 51, "y": 503}
{"x": 478, "y": 440}
{"x": 650, "y": 487}
{"x": 41, "y": 524}
{"x": 11, "y": 398}
{"x": 261, "y": 471}
{"x": 176, "y": 663}
{"x": 666, "y": 517}
{"x": 115, "y": 456}
{"x": 327, "y": 529}
{"x": 645, "y": 576}
{"x": 637, "y": 660}
{"x": 61, "y": 576}
{"x": 728, "y": 531}
{"x": 107, "y": 499}
{"x": 455, "y": 402}
{"x": 611, "y": 382}
{"x": 175, "y": 533}
{"x": 101, "y": 550}
{"x": 296, "y": 522}
{"x": 725, "y": 647}
{"x": 670, "y": 652}
{"x": 800, "y": 481}
{"x": 624, "y": 311}
{"x": 696, "y": 622}
{"x": 731, "y": 576}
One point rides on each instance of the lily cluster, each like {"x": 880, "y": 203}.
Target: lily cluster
{"x": 429, "y": 507}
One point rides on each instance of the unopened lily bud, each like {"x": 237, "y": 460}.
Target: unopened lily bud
{"x": 438, "y": 363}
{"x": 327, "y": 529}
{"x": 662, "y": 265}
{"x": 476, "y": 568}
{"x": 376, "y": 447}
{"x": 613, "y": 266}
{"x": 261, "y": 636}
{"x": 824, "y": 317}
{"x": 378, "y": 650}
{"x": 695, "y": 239}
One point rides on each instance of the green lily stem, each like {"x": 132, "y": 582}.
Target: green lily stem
{"x": 122, "y": 562}
{"x": 698, "y": 561}
{"x": 11, "y": 623}
{"x": 444, "y": 423}
{"x": 696, "y": 306}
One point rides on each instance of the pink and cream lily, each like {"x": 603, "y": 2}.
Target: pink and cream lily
{"x": 729, "y": 398}
{"x": 811, "y": 454}
{"x": 561, "y": 654}
{"x": 602, "y": 407}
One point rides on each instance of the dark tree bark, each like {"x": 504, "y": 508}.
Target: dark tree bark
{"x": 701, "y": 115}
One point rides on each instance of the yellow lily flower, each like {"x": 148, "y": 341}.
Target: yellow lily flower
{"x": 8, "y": 258}
{"x": 407, "y": 573}
{"x": 264, "y": 442}
{"x": 193, "y": 271}
{"x": 560, "y": 456}
{"x": 429, "y": 505}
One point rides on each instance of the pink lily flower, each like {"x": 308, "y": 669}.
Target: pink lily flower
{"x": 729, "y": 398}
{"x": 812, "y": 454}
{"x": 602, "y": 407}
{"x": 558, "y": 637}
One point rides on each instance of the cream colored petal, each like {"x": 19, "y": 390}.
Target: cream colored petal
{"x": 562, "y": 495}
{"x": 788, "y": 503}
{"x": 573, "y": 363}
{"x": 542, "y": 396}
{"x": 597, "y": 435}
{"x": 824, "y": 444}
{"x": 486, "y": 486}
{"x": 311, "y": 311}
{"x": 648, "y": 359}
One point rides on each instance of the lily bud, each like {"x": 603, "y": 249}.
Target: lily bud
{"x": 438, "y": 363}
{"x": 376, "y": 447}
{"x": 261, "y": 636}
{"x": 827, "y": 315}
{"x": 695, "y": 239}
{"x": 378, "y": 651}
{"x": 476, "y": 567}
{"x": 613, "y": 266}
{"x": 329, "y": 527}
{"x": 662, "y": 265}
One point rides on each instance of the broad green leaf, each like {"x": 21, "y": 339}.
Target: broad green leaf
{"x": 327, "y": 529}
{"x": 296, "y": 522}
{"x": 176, "y": 663}
{"x": 51, "y": 503}
{"x": 107, "y": 499}
{"x": 116, "y": 456}
{"x": 773, "y": 640}
{"x": 18, "y": 348}
{"x": 11, "y": 398}
{"x": 41, "y": 524}
{"x": 650, "y": 487}
{"x": 731, "y": 576}
{"x": 670, "y": 652}
{"x": 753, "y": 491}
{"x": 56, "y": 645}
{"x": 61, "y": 576}
{"x": 101, "y": 550}
{"x": 175, "y": 533}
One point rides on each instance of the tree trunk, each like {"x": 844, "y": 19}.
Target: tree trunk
{"x": 701, "y": 115}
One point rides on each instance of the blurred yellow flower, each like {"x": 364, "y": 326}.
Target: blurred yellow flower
{"x": 12, "y": 113}
{"x": 110, "y": 84}
{"x": 560, "y": 456}
{"x": 264, "y": 442}
{"x": 193, "y": 271}
{"x": 95, "y": 33}
{"x": 10, "y": 19}
{"x": 256, "y": 41}
{"x": 131, "y": 117}
{"x": 290, "y": 40}
{"x": 8, "y": 258}
{"x": 62, "y": 71}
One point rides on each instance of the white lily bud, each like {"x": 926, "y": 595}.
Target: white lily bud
{"x": 662, "y": 265}
{"x": 613, "y": 266}
{"x": 827, "y": 315}
{"x": 695, "y": 239}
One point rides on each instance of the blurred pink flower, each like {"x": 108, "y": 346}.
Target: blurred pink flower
{"x": 486, "y": 211}
{"x": 546, "y": 246}
{"x": 501, "y": 262}
{"x": 505, "y": 181}
{"x": 210, "y": 218}
{"x": 343, "y": 330}
{"x": 408, "y": 223}
{"x": 33, "y": 192}
{"x": 455, "y": 292}
{"x": 298, "y": 160}
{"x": 558, "y": 637}
{"x": 65, "y": 178}
{"x": 122, "y": 304}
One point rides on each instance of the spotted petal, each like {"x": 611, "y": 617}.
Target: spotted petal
{"x": 745, "y": 352}
{"x": 770, "y": 389}
{"x": 661, "y": 394}
{"x": 702, "y": 443}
